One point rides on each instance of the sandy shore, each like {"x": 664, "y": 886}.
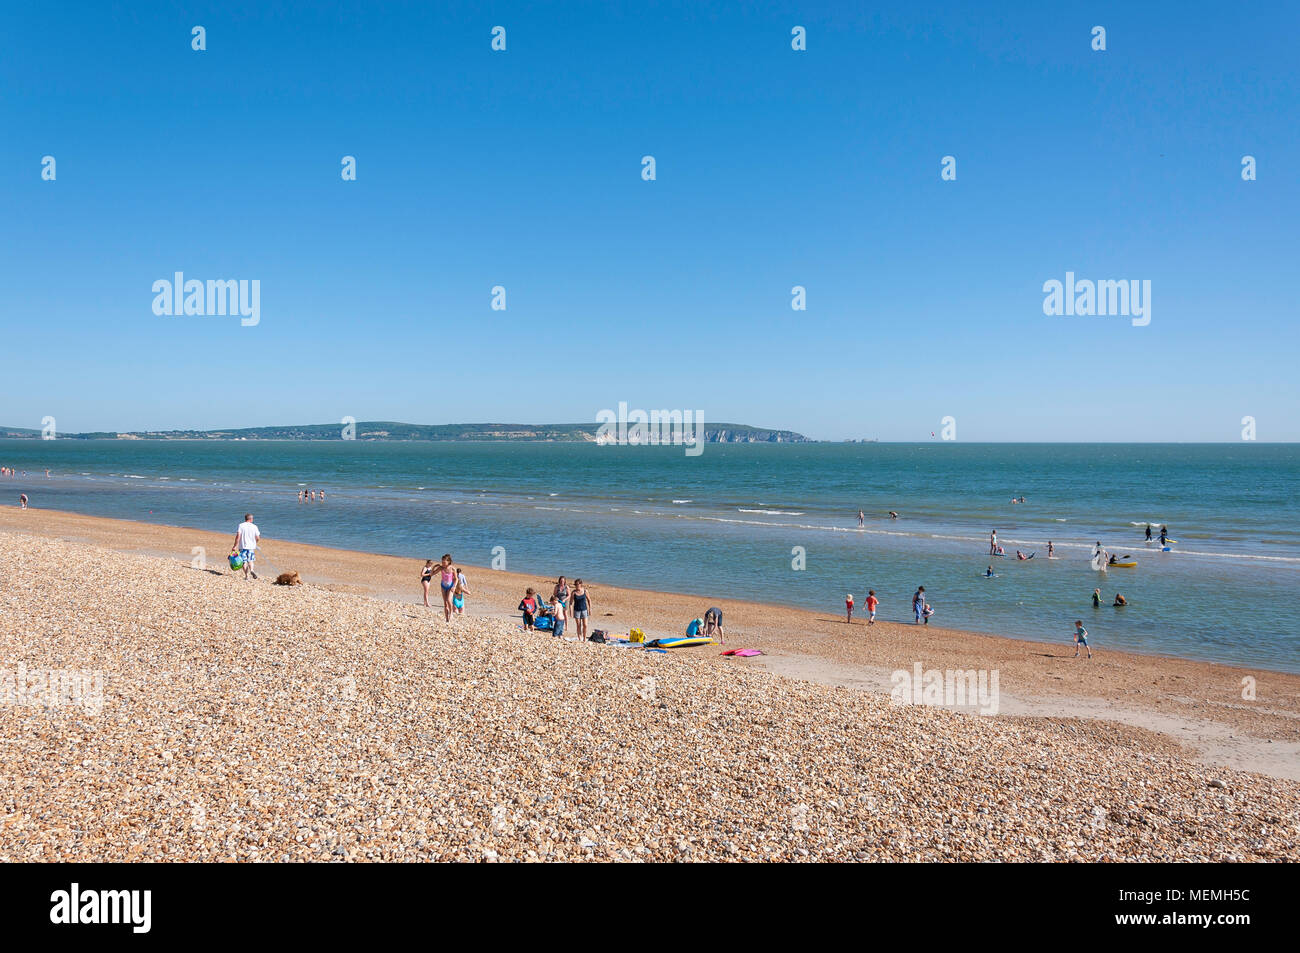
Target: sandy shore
{"x": 238, "y": 720}
{"x": 1198, "y": 705}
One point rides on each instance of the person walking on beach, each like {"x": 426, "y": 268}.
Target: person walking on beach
{"x": 848, "y": 608}
{"x": 448, "y": 583}
{"x": 461, "y": 591}
{"x": 246, "y": 538}
{"x": 872, "y": 602}
{"x": 426, "y": 577}
{"x": 918, "y": 603}
{"x": 1080, "y": 638}
{"x": 581, "y": 607}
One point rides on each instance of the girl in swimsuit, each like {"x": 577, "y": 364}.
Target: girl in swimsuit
{"x": 426, "y": 577}
{"x": 448, "y": 583}
{"x": 458, "y": 596}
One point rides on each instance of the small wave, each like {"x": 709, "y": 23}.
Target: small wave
{"x": 683, "y": 501}
{"x": 772, "y": 512}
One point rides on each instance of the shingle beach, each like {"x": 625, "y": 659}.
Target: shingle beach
{"x": 243, "y": 721}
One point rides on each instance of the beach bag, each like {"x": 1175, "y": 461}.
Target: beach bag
{"x": 236, "y": 561}
{"x": 545, "y": 623}
{"x": 597, "y": 636}
{"x": 636, "y": 635}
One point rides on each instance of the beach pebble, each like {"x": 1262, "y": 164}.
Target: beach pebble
{"x": 242, "y": 721}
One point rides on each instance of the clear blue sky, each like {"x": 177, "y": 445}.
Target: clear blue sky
{"x": 775, "y": 169}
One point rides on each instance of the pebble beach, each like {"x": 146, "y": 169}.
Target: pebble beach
{"x": 240, "y": 721}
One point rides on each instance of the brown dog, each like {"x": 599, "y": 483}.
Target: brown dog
{"x": 288, "y": 579}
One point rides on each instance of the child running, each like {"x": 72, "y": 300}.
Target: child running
{"x": 872, "y": 602}
{"x": 1080, "y": 638}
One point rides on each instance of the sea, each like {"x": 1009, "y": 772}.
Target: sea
{"x": 773, "y": 523}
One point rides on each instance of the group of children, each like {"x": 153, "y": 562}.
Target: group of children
{"x": 872, "y": 602}
{"x": 557, "y": 609}
{"x": 452, "y": 582}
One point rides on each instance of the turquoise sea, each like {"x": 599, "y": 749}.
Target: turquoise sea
{"x": 730, "y": 522}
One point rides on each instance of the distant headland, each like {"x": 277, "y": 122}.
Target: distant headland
{"x": 396, "y": 431}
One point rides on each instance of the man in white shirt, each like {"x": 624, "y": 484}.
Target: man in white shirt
{"x": 246, "y": 538}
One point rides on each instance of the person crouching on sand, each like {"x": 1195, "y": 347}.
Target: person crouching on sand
{"x": 22, "y": 500}
{"x": 848, "y": 608}
{"x": 426, "y": 577}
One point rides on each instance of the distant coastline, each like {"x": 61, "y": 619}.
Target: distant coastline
{"x": 388, "y": 430}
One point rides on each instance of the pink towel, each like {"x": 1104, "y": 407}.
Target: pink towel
{"x": 743, "y": 653}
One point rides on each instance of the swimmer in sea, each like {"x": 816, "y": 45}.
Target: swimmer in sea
{"x": 988, "y": 573}
{"x": 1119, "y": 601}
{"x": 1096, "y": 598}
{"x": 1148, "y": 532}
{"x": 1050, "y": 550}
{"x": 893, "y": 515}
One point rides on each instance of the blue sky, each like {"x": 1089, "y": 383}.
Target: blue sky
{"x": 775, "y": 168}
